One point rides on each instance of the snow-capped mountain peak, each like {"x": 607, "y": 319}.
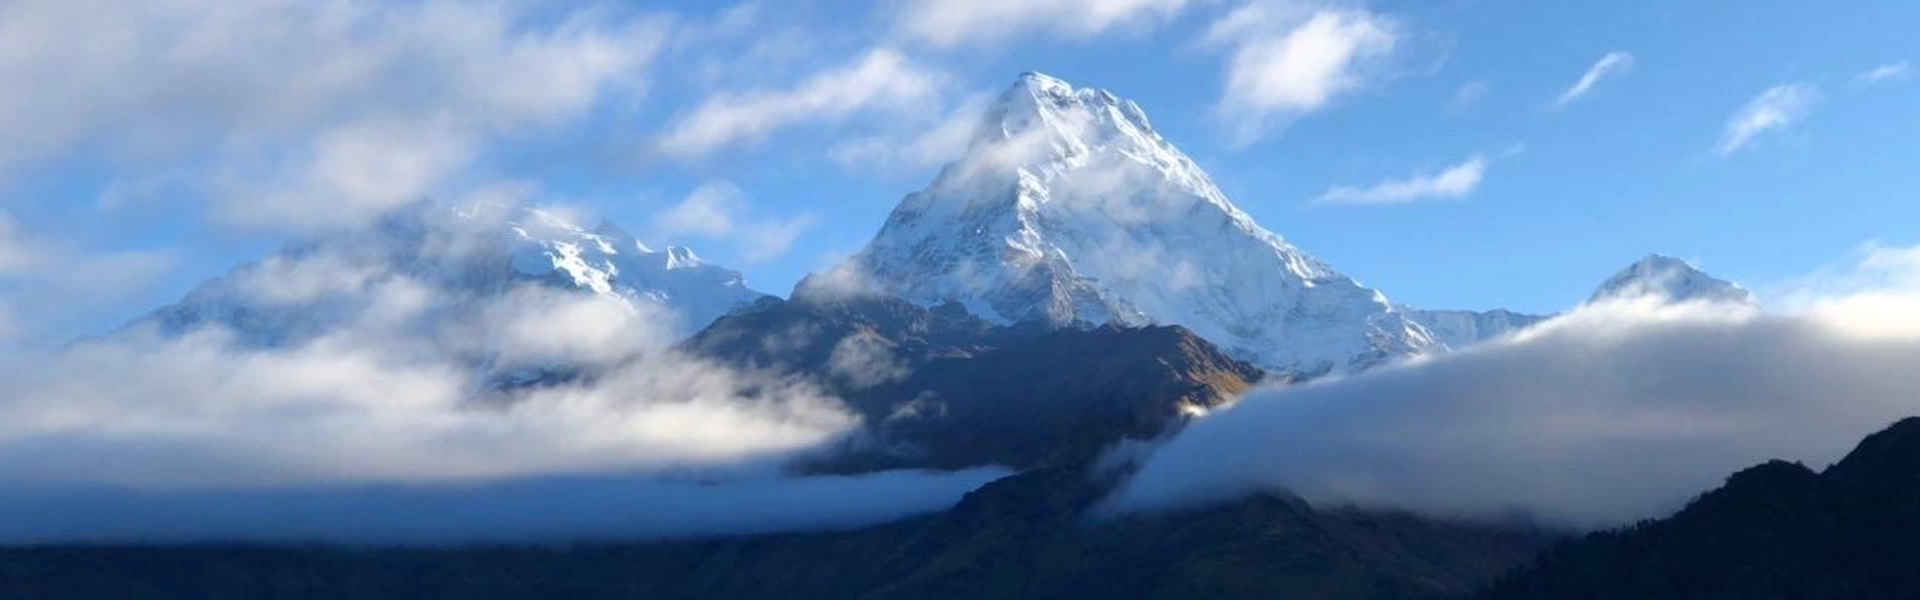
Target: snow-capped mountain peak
{"x": 1669, "y": 279}
{"x": 1068, "y": 207}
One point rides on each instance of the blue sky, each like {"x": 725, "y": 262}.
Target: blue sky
{"x": 148, "y": 156}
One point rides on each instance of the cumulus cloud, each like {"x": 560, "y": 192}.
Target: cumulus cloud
{"x": 948, "y": 23}
{"x": 1614, "y": 63}
{"x": 1615, "y": 412}
{"x": 1884, "y": 73}
{"x": 1287, "y": 59}
{"x": 719, "y": 211}
{"x": 881, "y": 81}
{"x": 296, "y": 114}
{"x": 1775, "y": 109}
{"x": 1451, "y": 184}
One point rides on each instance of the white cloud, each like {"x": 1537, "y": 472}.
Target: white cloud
{"x": 1453, "y": 183}
{"x": 17, "y": 254}
{"x": 1777, "y": 108}
{"x": 864, "y": 359}
{"x": 948, "y": 23}
{"x": 719, "y": 211}
{"x": 915, "y": 145}
{"x": 1610, "y": 414}
{"x": 1288, "y": 59}
{"x": 1614, "y": 63}
{"x": 302, "y": 113}
{"x": 1884, "y": 73}
{"x": 49, "y": 284}
{"x": 1469, "y": 94}
{"x": 880, "y": 81}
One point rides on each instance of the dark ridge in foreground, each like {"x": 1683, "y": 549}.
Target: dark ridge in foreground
{"x": 1777, "y": 530}
{"x": 1022, "y": 537}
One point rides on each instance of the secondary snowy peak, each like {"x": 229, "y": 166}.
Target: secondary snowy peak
{"x": 1067, "y": 207}
{"x": 452, "y": 254}
{"x": 1672, "y": 280}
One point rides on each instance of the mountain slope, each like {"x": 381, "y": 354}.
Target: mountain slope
{"x": 1777, "y": 530}
{"x": 317, "y": 286}
{"x": 942, "y": 388}
{"x": 1069, "y": 208}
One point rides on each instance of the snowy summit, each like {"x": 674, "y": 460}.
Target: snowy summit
{"x": 1670, "y": 279}
{"x": 1068, "y": 208}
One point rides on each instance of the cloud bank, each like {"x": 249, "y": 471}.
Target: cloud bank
{"x": 1612, "y": 413}
{"x": 332, "y": 393}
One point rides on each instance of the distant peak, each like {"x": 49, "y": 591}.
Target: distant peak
{"x": 1654, "y": 262}
{"x": 1672, "y": 279}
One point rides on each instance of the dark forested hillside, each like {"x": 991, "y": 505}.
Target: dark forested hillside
{"x": 1778, "y": 530}
{"x": 1022, "y": 537}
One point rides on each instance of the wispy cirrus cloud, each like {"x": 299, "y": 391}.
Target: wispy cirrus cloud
{"x": 1452, "y": 183}
{"x": 719, "y": 211}
{"x": 951, "y": 23}
{"x": 1613, "y": 64}
{"x": 1775, "y": 109}
{"x": 1469, "y": 94}
{"x": 882, "y": 80}
{"x": 1886, "y": 73}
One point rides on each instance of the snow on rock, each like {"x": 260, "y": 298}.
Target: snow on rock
{"x": 1068, "y": 208}
{"x": 1670, "y": 279}
{"x": 480, "y": 252}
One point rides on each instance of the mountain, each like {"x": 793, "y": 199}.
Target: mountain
{"x": 1068, "y": 208}
{"x": 1670, "y": 279}
{"x": 1778, "y": 530}
{"x": 319, "y": 285}
{"x": 943, "y": 388}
